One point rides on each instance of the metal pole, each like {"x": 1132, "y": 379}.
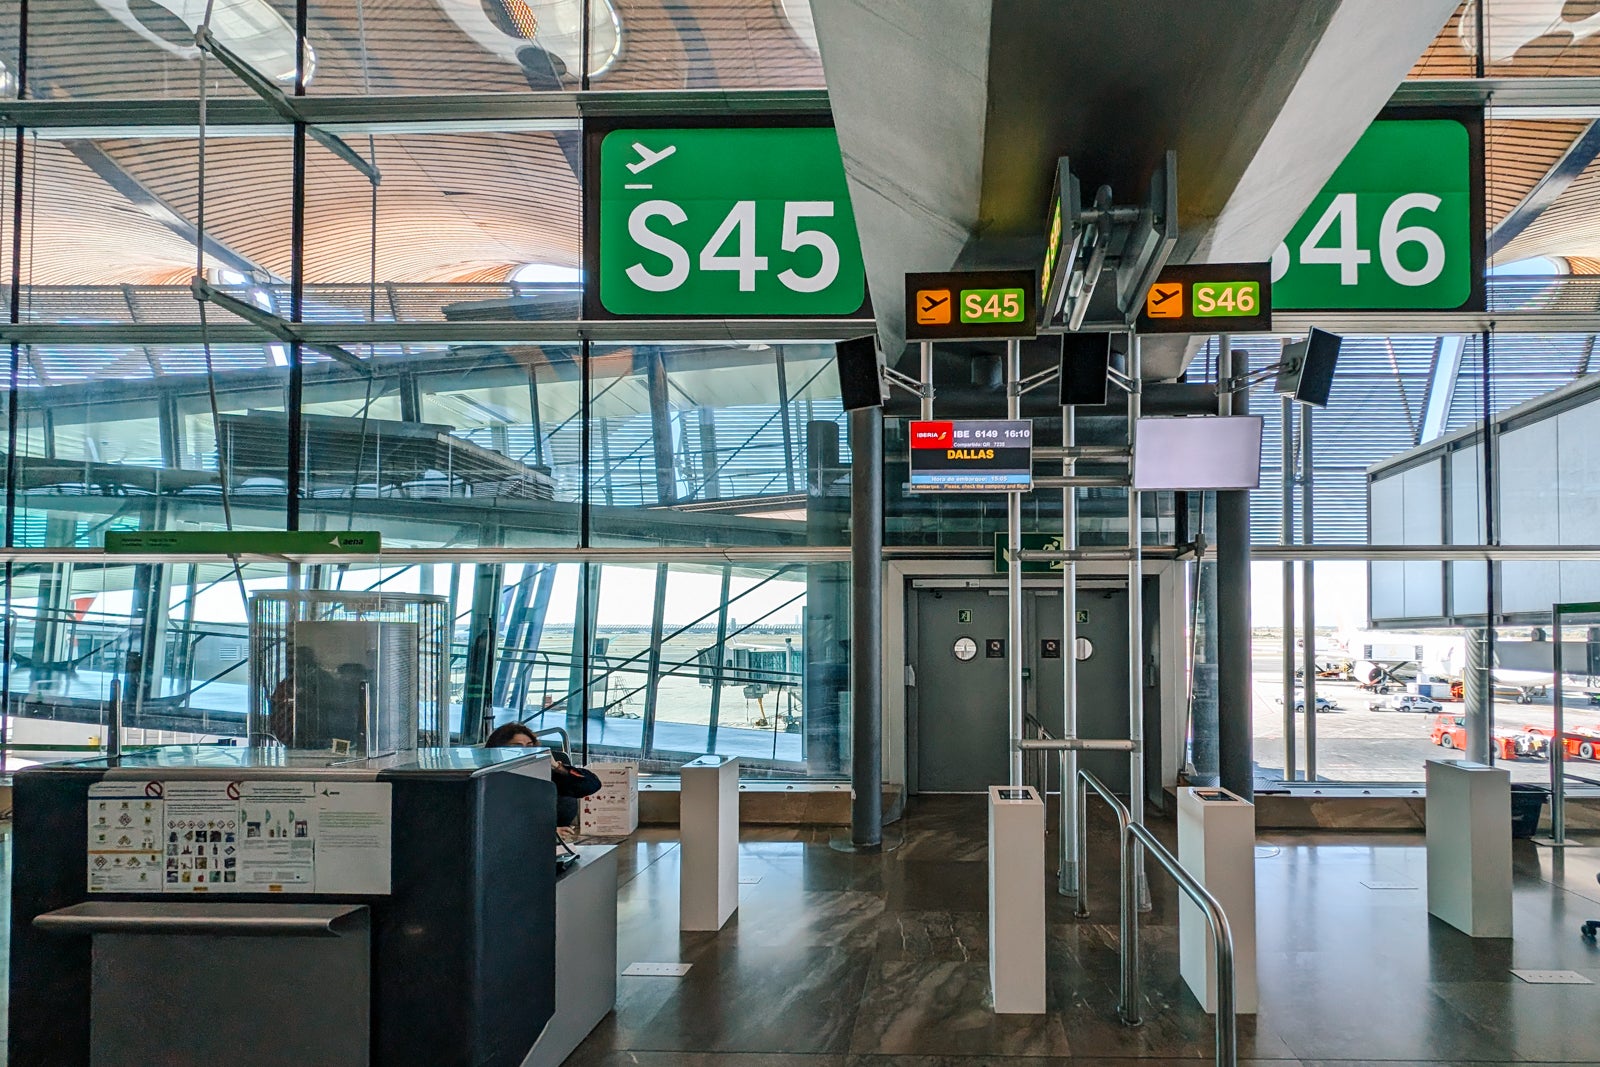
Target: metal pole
{"x": 1082, "y": 834}
{"x": 1136, "y": 628}
{"x": 1013, "y": 572}
{"x": 927, "y": 380}
{"x": 1134, "y": 898}
{"x": 1235, "y": 692}
{"x": 866, "y": 623}
{"x": 114, "y": 721}
{"x": 1308, "y": 598}
{"x": 1558, "y": 742}
{"x": 1067, "y": 868}
{"x": 1287, "y": 538}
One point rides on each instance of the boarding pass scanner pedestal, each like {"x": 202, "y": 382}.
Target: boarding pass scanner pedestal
{"x": 412, "y": 895}
{"x": 708, "y": 875}
{"x": 1016, "y": 900}
{"x": 1469, "y": 847}
{"x": 1217, "y": 844}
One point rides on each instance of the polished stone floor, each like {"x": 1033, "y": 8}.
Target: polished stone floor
{"x": 848, "y": 961}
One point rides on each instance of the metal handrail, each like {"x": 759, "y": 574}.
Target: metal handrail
{"x": 1222, "y": 935}
{"x": 1128, "y": 942}
{"x": 1039, "y": 748}
{"x": 1132, "y": 836}
{"x": 566, "y": 738}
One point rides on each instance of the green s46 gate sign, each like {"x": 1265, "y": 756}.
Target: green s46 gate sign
{"x": 726, "y": 222}
{"x": 1399, "y": 224}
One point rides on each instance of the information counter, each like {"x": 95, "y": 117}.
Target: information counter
{"x": 258, "y": 905}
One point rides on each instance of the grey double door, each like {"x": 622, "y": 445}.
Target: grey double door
{"x": 958, "y": 724}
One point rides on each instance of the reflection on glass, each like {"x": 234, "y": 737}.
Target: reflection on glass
{"x": 250, "y": 29}
{"x": 682, "y": 660}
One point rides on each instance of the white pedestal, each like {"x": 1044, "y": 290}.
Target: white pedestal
{"x": 1469, "y": 847}
{"x": 586, "y": 954}
{"x": 1217, "y": 844}
{"x": 708, "y": 824}
{"x": 1016, "y": 900}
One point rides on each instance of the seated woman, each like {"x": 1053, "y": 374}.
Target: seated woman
{"x": 572, "y": 783}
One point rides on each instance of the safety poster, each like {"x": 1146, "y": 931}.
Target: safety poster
{"x": 239, "y": 837}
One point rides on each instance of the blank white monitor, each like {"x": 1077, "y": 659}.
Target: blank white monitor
{"x": 1198, "y": 452}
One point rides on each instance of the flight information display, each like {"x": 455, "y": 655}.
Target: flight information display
{"x": 972, "y": 456}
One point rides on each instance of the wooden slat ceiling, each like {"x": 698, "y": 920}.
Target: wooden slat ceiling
{"x": 1518, "y": 154}
{"x": 467, "y": 207}
{"x": 1526, "y": 38}
{"x": 449, "y": 207}
{"x": 76, "y": 49}
{"x": 81, "y": 231}
{"x": 1570, "y": 227}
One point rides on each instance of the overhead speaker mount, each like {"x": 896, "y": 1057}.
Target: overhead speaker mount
{"x": 1306, "y": 369}
{"x": 860, "y": 383}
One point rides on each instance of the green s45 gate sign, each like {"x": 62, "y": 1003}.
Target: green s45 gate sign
{"x": 721, "y": 222}
{"x": 1400, "y": 224}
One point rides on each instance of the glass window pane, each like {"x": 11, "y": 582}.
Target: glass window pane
{"x": 124, "y": 437}
{"x": 742, "y": 659}
{"x": 457, "y": 218}
{"x": 100, "y": 49}
{"x": 714, "y": 444}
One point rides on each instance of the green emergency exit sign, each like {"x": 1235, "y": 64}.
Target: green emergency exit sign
{"x": 244, "y": 542}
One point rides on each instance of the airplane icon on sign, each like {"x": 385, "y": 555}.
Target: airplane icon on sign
{"x": 647, "y": 158}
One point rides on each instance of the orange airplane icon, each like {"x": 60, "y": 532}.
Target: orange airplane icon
{"x": 933, "y": 307}
{"x": 1165, "y": 301}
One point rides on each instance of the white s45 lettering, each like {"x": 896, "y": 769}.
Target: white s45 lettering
{"x": 646, "y": 238}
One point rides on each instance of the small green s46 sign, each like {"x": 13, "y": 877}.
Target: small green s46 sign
{"x": 724, "y": 222}
{"x": 1214, "y": 300}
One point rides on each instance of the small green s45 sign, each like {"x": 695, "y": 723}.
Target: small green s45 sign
{"x": 724, "y": 222}
{"x": 992, "y": 305}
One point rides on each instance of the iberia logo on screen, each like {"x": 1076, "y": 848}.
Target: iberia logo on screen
{"x": 933, "y": 434}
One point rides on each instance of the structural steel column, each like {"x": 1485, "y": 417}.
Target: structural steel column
{"x": 1136, "y": 621}
{"x": 652, "y": 677}
{"x": 1477, "y": 685}
{"x": 1287, "y": 538}
{"x": 477, "y": 704}
{"x": 1308, "y": 597}
{"x": 661, "y": 427}
{"x": 721, "y": 651}
{"x": 1235, "y": 694}
{"x": 1067, "y": 868}
{"x": 866, "y": 625}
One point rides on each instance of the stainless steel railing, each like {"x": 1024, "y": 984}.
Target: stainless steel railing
{"x": 566, "y": 739}
{"x": 1039, "y": 748}
{"x": 1131, "y": 837}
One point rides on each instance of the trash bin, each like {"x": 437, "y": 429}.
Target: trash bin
{"x": 1527, "y": 804}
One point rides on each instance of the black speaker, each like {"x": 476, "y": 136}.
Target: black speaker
{"x": 1308, "y": 364}
{"x": 858, "y": 372}
{"x": 1085, "y": 366}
